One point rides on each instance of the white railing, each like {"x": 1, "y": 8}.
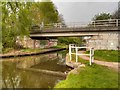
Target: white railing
{"x": 97, "y": 23}
{"x": 109, "y": 22}
{"x": 91, "y": 54}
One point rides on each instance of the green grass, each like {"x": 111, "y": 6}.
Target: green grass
{"x": 30, "y": 50}
{"x": 107, "y": 55}
{"x": 6, "y": 50}
{"x": 95, "y": 76}
{"x": 60, "y": 46}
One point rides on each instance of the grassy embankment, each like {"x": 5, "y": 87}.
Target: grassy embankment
{"x": 95, "y": 76}
{"x": 107, "y": 55}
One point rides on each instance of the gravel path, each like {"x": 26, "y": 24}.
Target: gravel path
{"x": 114, "y": 65}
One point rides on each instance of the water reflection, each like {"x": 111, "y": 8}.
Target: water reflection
{"x": 13, "y": 77}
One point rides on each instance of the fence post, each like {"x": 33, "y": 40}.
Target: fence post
{"x": 90, "y": 56}
{"x": 94, "y": 23}
{"x": 70, "y": 51}
{"x": 116, "y": 22}
{"x": 76, "y": 54}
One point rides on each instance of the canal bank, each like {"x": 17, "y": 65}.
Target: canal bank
{"x": 31, "y": 53}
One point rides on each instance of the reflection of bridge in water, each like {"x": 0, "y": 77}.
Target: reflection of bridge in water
{"x": 105, "y": 31}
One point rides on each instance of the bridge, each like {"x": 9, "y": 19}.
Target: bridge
{"x": 94, "y": 28}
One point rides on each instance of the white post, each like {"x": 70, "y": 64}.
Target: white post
{"x": 90, "y": 56}
{"x": 76, "y": 54}
{"x": 70, "y": 51}
{"x": 116, "y": 22}
{"x": 94, "y": 23}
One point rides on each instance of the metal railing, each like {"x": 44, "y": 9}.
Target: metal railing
{"x": 109, "y": 22}
{"x": 97, "y": 23}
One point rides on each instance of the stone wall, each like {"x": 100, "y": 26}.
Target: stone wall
{"x": 48, "y": 43}
{"x": 109, "y": 41}
{"x": 27, "y": 42}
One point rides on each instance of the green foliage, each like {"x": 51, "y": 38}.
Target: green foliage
{"x": 50, "y": 14}
{"x": 69, "y": 40}
{"x": 60, "y": 46}
{"x": 14, "y": 22}
{"x": 30, "y": 50}
{"x": 6, "y": 50}
{"x": 102, "y": 16}
{"x": 44, "y": 12}
{"x": 18, "y": 17}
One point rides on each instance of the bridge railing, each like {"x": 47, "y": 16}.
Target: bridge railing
{"x": 97, "y": 23}
{"x": 109, "y": 22}
{"x": 67, "y": 25}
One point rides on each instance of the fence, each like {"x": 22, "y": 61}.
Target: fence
{"x": 91, "y": 54}
{"x": 109, "y": 22}
{"x": 96, "y": 23}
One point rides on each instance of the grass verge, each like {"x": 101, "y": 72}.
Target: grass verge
{"x": 106, "y": 55}
{"x": 95, "y": 76}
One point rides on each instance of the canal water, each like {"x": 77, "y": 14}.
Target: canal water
{"x": 15, "y": 75}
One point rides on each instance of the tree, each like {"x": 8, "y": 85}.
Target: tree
{"x": 44, "y": 12}
{"x": 14, "y": 21}
{"x": 61, "y": 19}
{"x": 102, "y": 16}
{"x": 116, "y": 14}
{"x": 18, "y": 17}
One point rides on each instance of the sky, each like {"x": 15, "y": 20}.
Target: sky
{"x": 83, "y": 12}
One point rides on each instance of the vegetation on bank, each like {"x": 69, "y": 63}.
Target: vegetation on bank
{"x": 9, "y": 50}
{"x": 69, "y": 40}
{"x": 107, "y": 55}
{"x": 95, "y": 76}
{"x": 60, "y": 46}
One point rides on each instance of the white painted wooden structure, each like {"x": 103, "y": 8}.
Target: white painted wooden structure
{"x": 91, "y": 54}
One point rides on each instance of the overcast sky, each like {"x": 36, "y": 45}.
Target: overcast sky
{"x": 83, "y": 11}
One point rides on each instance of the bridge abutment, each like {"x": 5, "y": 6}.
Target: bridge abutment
{"x": 104, "y": 41}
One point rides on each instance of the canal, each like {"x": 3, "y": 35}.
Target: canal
{"x": 24, "y": 72}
